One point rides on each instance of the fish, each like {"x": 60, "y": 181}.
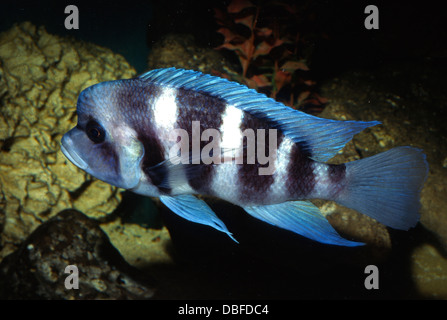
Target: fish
{"x": 180, "y": 135}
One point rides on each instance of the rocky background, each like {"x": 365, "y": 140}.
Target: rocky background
{"x": 126, "y": 253}
{"x": 41, "y": 76}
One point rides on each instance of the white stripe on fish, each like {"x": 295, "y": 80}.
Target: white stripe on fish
{"x": 276, "y": 193}
{"x": 231, "y": 146}
{"x": 165, "y": 112}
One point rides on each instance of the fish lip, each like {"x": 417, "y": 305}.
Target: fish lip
{"x": 72, "y": 155}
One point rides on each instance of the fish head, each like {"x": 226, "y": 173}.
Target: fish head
{"x": 101, "y": 143}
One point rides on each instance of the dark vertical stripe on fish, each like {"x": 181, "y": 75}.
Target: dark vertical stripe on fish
{"x": 153, "y": 155}
{"x": 197, "y": 106}
{"x": 254, "y": 186}
{"x": 337, "y": 173}
{"x": 138, "y": 101}
{"x": 300, "y": 176}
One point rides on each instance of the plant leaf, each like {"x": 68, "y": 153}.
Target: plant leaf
{"x": 247, "y": 21}
{"x": 220, "y": 16}
{"x": 246, "y": 48}
{"x": 277, "y": 43}
{"x": 291, "y": 66}
{"x": 238, "y": 5}
{"x": 282, "y": 78}
{"x": 250, "y": 83}
{"x": 309, "y": 82}
{"x": 262, "y": 49}
{"x": 313, "y": 101}
{"x": 261, "y": 80}
{"x": 303, "y": 96}
{"x": 227, "y": 45}
{"x": 227, "y": 33}
{"x": 263, "y": 32}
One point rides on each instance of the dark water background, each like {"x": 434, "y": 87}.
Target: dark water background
{"x": 407, "y": 31}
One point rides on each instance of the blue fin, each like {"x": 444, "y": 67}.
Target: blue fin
{"x": 387, "y": 186}
{"x": 195, "y": 210}
{"x": 301, "y": 217}
{"x": 323, "y": 137}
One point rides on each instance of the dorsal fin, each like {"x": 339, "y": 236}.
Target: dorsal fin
{"x": 323, "y": 137}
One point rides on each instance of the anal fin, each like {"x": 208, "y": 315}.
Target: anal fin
{"x": 301, "y": 217}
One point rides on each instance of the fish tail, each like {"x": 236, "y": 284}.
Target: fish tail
{"x": 387, "y": 186}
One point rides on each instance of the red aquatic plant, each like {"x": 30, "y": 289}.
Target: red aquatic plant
{"x": 268, "y": 50}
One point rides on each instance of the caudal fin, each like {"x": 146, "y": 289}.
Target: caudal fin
{"x": 387, "y": 186}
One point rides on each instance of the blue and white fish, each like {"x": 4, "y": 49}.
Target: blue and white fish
{"x": 124, "y": 137}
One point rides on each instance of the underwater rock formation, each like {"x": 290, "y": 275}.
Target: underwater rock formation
{"x": 37, "y": 270}
{"x": 41, "y": 76}
{"x": 409, "y": 100}
{"x": 407, "y": 119}
{"x": 180, "y": 51}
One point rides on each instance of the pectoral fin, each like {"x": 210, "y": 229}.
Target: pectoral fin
{"x": 301, "y": 217}
{"x": 195, "y": 210}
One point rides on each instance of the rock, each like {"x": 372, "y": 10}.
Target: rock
{"x": 139, "y": 234}
{"x": 409, "y": 101}
{"x": 37, "y": 270}
{"x": 181, "y": 51}
{"x": 41, "y": 76}
{"x": 429, "y": 271}
{"x": 404, "y": 122}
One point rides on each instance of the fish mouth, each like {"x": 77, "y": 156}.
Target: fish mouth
{"x": 68, "y": 151}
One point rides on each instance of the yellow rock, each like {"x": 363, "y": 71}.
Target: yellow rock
{"x": 429, "y": 271}
{"x": 41, "y": 77}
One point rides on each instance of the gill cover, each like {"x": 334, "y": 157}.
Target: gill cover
{"x": 130, "y": 158}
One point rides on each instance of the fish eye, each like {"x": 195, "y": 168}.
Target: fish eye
{"x": 95, "y": 131}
